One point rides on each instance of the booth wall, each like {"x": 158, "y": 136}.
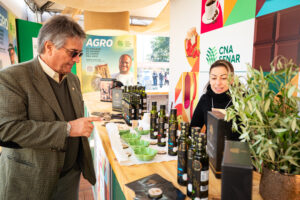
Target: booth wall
{"x": 242, "y": 32}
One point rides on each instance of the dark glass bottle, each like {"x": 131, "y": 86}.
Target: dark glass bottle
{"x": 137, "y": 105}
{"x": 129, "y": 89}
{"x": 204, "y": 169}
{"x": 153, "y": 121}
{"x": 195, "y": 131}
{"x": 144, "y": 98}
{"x": 182, "y": 155}
{"x": 200, "y": 170}
{"x": 132, "y": 108}
{"x": 161, "y": 137}
{"x": 172, "y": 139}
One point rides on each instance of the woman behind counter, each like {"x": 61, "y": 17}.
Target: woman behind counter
{"x": 215, "y": 94}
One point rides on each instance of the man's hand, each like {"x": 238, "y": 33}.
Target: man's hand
{"x": 82, "y": 126}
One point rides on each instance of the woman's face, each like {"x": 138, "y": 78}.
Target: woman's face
{"x": 218, "y": 79}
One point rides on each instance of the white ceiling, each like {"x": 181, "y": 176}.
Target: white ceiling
{"x": 151, "y": 11}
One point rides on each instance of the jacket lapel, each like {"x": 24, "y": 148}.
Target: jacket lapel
{"x": 42, "y": 84}
{"x": 75, "y": 97}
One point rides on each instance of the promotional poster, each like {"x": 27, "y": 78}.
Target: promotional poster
{"x": 8, "y": 41}
{"x": 108, "y": 57}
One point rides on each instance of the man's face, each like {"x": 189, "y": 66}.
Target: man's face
{"x": 62, "y": 60}
{"x": 124, "y": 64}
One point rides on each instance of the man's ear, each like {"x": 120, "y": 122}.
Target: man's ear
{"x": 48, "y": 48}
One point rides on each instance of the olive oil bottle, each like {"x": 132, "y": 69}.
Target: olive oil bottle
{"x": 182, "y": 155}
{"x": 153, "y": 121}
{"x": 200, "y": 170}
{"x": 161, "y": 137}
{"x": 144, "y": 100}
{"x": 172, "y": 138}
{"x": 195, "y": 131}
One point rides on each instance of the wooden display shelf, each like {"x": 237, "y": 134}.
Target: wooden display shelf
{"x": 168, "y": 170}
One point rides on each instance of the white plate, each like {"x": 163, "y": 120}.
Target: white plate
{"x": 209, "y": 21}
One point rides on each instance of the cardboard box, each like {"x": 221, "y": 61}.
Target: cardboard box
{"x": 236, "y": 171}
{"x": 217, "y": 131}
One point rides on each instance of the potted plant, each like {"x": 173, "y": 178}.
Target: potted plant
{"x": 266, "y": 113}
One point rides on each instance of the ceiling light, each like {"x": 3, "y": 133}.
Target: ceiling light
{"x": 106, "y": 23}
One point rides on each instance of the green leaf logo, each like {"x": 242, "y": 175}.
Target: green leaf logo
{"x": 211, "y": 55}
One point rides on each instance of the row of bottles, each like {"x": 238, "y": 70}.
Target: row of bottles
{"x": 134, "y": 102}
{"x": 161, "y": 125}
{"x": 192, "y": 170}
{"x": 193, "y": 164}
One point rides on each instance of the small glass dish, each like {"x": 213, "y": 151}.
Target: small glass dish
{"x": 130, "y": 137}
{"x": 138, "y": 143}
{"x": 122, "y": 132}
{"x": 145, "y": 153}
{"x": 142, "y": 132}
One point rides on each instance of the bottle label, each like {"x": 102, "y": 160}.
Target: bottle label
{"x": 203, "y": 188}
{"x": 204, "y": 176}
{"x": 140, "y": 111}
{"x": 190, "y": 187}
{"x": 175, "y": 149}
{"x": 162, "y": 139}
{"x": 182, "y": 146}
{"x": 190, "y": 154}
{"x": 145, "y": 100}
{"x": 166, "y": 125}
{"x": 155, "y": 133}
{"x": 184, "y": 176}
{"x": 178, "y": 133}
{"x": 196, "y": 166}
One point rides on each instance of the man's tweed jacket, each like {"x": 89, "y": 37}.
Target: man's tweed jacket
{"x": 31, "y": 117}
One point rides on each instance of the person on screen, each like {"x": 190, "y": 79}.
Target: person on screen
{"x": 11, "y": 53}
{"x": 41, "y": 112}
{"x": 124, "y": 75}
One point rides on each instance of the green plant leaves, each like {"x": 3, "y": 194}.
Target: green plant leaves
{"x": 267, "y": 105}
{"x": 271, "y": 154}
{"x": 266, "y": 114}
{"x": 291, "y": 91}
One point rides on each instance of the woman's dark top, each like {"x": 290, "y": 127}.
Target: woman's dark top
{"x": 204, "y": 105}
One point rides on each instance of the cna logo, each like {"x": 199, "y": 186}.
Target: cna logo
{"x": 211, "y": 55}
{"x": 224, "y": 52}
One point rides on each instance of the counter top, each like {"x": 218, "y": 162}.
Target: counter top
{"x": 168, "y": 170}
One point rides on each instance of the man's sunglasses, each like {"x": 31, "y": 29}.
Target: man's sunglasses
{"x": 73, "y": 53}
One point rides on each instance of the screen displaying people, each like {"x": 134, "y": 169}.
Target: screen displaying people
{"x": 124, "y": 75}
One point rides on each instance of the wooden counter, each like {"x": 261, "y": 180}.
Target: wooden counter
{"x": 168, "y": 170}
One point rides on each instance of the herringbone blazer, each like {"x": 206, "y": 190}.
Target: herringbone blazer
{"x": 28, "y": 116}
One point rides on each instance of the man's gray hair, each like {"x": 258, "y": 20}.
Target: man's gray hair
{"x": 57, "y": 30}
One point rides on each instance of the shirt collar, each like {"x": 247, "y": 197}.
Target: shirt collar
{"x": 50, "y": 72}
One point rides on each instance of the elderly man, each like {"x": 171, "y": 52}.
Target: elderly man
{"x": 41, "y": 111}
{"x": 125, "y": 76}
